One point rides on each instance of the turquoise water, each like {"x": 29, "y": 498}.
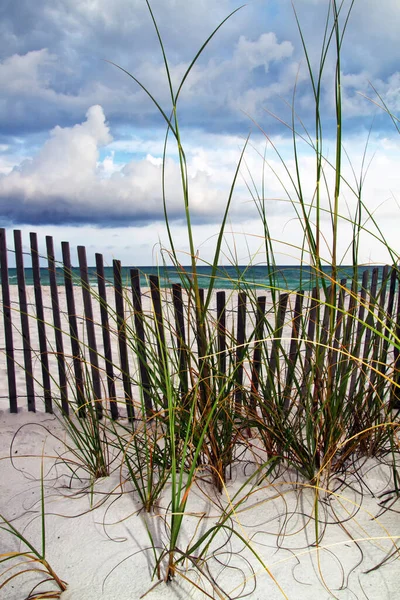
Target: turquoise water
{"x": 228, "y": 277}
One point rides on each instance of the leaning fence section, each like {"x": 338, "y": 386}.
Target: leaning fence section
{"x": 112, "y": 353}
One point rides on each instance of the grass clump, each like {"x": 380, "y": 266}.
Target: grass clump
{"x": 319, "y": 402}
{"x": 29, "y": 559}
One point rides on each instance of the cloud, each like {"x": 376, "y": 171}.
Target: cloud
{"x": 106, "y": 172}
{"x": 77, "y": 184}
{"x": 25, "y": 74}
{"x": 52, "y": 67}
{"x": 66, "y": 183}
{"x": 251, "y": 54}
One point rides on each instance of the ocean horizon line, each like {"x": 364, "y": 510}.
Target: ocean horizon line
{"x": 284, "y": 277}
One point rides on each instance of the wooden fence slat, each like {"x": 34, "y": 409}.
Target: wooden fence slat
{"x": 310, "y": 346}
{"x": 159, "y": 330}
{"x": 334, "y": 355}
{"x": 258, "y": 344}
{"x": 91, "y": 336}
{"x": 276, "y": 342}
{"x": 141, "y": 341}
{"x": 77, "y": 357}
{"x": 198, "y": 324}
{"x": 40, "y": 321}
{"x": 156, "y": 299}
{"x": 204, "y": 370}
{"x": 368, "y": 339}
{"x": 8, "y": 332}
{"x": 23, "y": 312}
{"x": 348, "y": 328}
{"x": 123, "y": 350}
{"x": 382, "y": 365}
{"x": 321, "y": 349}
{"x": 377, "y": 342}
{"x": 395, "y": 390}
{"x": 355, "y": 352}
{"x": 62, "y": 376}
{"x": 294, "y": 349}
{"x": 370, "y": 320}
{"x": 101, "y": 286}
{"x": 274, "y": 357}
{"x": 240, "y": 348}
{"x": 389, "y": 321}
{"x": 180, "y": 335}
{"x": 157, "y": 307}
{"x": 221, "y": 324}
{"x": 350, "y": 320}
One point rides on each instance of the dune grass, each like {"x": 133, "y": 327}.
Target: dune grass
{"x": 29, "y": 559}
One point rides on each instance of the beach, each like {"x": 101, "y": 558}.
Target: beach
{"x": 97, "y": 534}
{"x": 96, "y": 540}
{"x": 200, "y": 300}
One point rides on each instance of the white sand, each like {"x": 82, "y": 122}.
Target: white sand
{"x": 99, "y": 545}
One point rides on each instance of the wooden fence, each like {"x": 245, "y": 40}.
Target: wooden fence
{"x": 366, "y": 331}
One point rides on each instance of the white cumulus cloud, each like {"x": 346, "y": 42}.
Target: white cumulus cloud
{"x": 66, "y": 182}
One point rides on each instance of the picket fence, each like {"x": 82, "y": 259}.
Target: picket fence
{"x": 367, "y": 327}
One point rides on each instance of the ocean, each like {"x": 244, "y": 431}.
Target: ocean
{"x": 290, "y": 278}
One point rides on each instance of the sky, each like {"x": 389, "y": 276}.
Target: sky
{"x": 81, "y": 144}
